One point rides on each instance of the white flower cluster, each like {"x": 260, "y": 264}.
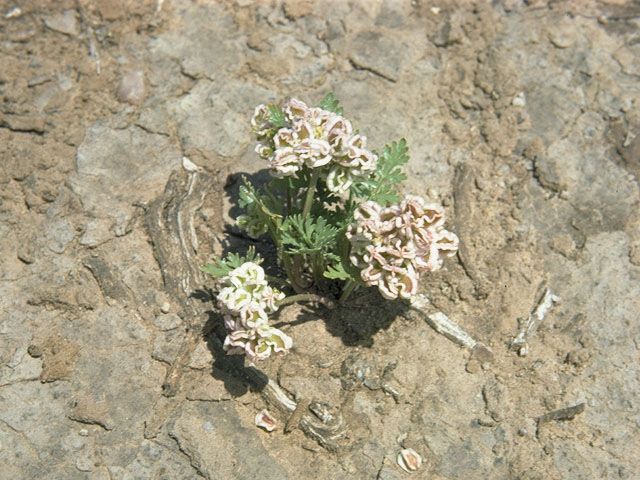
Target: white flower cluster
{"x": 245, "y": 299}
{"x": 393, "y": 246}
{"x": 314, "y": 138}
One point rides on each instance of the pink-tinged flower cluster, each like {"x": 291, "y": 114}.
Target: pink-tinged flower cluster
{"x": 314, "y": 138}
{"x": 245, "y": 299}
{"x": 393, "y": 246}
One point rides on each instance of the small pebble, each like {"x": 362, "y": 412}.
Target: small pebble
{"x": 131, "y": 88}
{"x": 207, "y": 426}
{"x": 522, "y": 432}
{"x": 167, "y": 321}
{"x": 519, "y": 100}
{"x": 165, "y": 307}
{"x": 35, "y": 351}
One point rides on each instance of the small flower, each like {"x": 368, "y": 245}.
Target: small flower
{"x": 294, "y": 110}
{"x": 260, "y": 120}
{"x": 257, "y": 343}
{"x": 285, "y": 162}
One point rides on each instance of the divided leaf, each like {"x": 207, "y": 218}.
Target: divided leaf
{"x": 331, "y": 104}
{"x": 337, "y": 272}
{"x": 382, "y": 187}
{"x": 223, "y": 266}
{"x": 308, "y": 235}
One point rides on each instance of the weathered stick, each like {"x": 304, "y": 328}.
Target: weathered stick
{"x": 544, "y": 304}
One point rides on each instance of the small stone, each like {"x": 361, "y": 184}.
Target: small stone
{"x": 522, "y": 432}
{"x": 207, "y": 426}
{"x": 83, "y": 432}
{"x": 96, "y": 233}
{"x": 563, "y": 34}
{"x": 563, "y": 244}
{"x": 131, "y": 88}
{"x": 65, "y": 22}
{"x": 35, "y": 351}
{"x": 473, "y": 366}
{"x": 519, "y": 100}
{"x": 84, "y": 464}
{"x": 165, "y": 307}
{"x": 167, "y": 321}
{"x": 15, "y": 12}
{"x": 60, "y": 234}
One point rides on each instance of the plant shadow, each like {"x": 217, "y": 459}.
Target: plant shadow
{"x": 357, "y": 321}
{"x": 237, "y": 378}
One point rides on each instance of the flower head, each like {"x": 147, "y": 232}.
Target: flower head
{"x": 245, "y": 300}
{"x": 313, "y": 138}
{"x": 393, "y": 246}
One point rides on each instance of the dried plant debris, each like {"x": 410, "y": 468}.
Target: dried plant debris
{"x": 265, "y": 421}
{"x": 528, "y": 329}
{"x": 409, "y": 460}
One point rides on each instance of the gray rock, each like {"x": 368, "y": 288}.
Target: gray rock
{"x": 59, "y": 234}
{"x": 96, "y": 233}
{"x": 379, "y": 53}
{"x": 208, "y": 45}
{"x": 229, "y": 450}
{"x": 168, "y": 321}
{"x": 166, "y": 345}
{"x": 116, "y": 168}
{"x": 214, "y": 116}
{"x": 65, "y": 22}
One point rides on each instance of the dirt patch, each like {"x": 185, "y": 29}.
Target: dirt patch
{"x": 521, "y": 119}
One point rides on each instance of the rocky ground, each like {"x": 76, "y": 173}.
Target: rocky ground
{"x": 522, "y": 118}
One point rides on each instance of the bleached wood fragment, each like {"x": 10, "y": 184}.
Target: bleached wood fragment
{"x": 544, "y": 304}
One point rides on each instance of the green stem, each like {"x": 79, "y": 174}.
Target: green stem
{"x": 351, "y": 284}
{"x": 317, "y": 265}
{"x": 307, "y": 297}
{"x": 286, "y": 263}
{"x": 311, "y": 190}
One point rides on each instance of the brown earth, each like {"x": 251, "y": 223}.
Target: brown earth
{"x": 522, "y": 119}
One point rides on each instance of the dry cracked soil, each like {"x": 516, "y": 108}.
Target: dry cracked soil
{"x": 522, "y": 119}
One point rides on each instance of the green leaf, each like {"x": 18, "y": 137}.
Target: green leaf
{"x": 337, "y": 272}
{"x": 382, "y": 187}
{"x": 331, "y": 104}
{"x": 308, "y": 235}
{"x": 265, "y": 205}
{"x": 276, "y": 117}
{"x": 222, "y": 266}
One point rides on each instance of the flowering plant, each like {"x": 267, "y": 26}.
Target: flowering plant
{"x": 335, "y": 216}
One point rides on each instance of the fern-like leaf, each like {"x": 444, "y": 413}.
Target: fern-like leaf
{"x": 331, "y": 104}
{"x": 222, "y": 266}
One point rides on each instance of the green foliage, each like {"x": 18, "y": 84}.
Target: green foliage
{"x": 331, "y": 104}
{"x": 308, "y": 235}
{"x": 382, "y": 187}
{"x": 266, "y": 206}
{"x": 337, "y": 272}
{"x": 222, "y": 266}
